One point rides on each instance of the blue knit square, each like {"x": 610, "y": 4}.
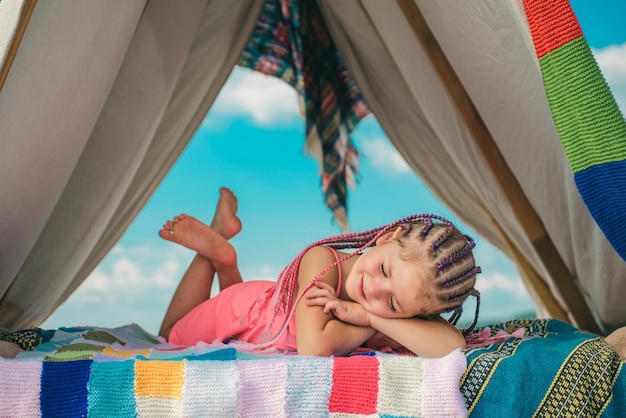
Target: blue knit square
{"x": 64, "y": 388}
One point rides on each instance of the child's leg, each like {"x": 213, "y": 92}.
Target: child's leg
{"x": 227, "y": 224}
{"x": 215, "y": 254}
{"x": 225, "y": 220}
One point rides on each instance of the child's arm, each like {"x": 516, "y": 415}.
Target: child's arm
{"x": 425, "y": 337}
{"x": 434, "y": 337}
{"x": 319, "y": 333}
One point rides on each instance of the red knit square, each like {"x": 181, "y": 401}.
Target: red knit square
{"x": 355, "y": 385}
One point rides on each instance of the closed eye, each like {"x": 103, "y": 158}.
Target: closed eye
{"x": 382, "y": 269}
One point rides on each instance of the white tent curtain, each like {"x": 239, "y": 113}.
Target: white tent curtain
{"x": 100, "y": 100}
{"x": 103, "y": 96}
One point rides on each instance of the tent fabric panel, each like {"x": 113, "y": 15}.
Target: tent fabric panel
{"x": 108, "y": 162}
{"x": 591, "y": 127}
{"x": 125, "y": 109}
{"x": 527, "y": 137}
{"x": 49, "y": 103}
{"x": 217, "y": 47}
{"x": 499, "y": 73}
{"x": 173, "y": 70}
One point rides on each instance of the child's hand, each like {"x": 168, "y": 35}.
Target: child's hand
{"x": 323, "y": 294}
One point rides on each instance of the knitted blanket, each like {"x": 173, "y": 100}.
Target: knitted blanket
{"x": 126, "y": 372}
{"x": 514, "y": 369}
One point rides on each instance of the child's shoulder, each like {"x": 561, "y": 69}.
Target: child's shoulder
{"x": 319, "y": 253}
{"x": 316, "y": 259}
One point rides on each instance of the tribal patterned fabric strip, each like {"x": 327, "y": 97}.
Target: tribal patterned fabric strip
{"x": 290, "y": 41}
{"x": 591, "y": 126}
{"x": 27, "y": 339}
{"x": 555, "y": 370}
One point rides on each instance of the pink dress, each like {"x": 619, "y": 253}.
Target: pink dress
{"x": 242, "y": 312}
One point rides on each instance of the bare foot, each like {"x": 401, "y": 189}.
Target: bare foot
{"x": 225, "y": 220}
{"x": 195, "y": 235}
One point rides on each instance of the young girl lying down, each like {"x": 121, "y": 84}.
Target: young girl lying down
{"x": 395, "y": 284}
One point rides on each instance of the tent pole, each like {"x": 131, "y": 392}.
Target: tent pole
{"x": 529, "y": 219}
{"x": 538, "y": 286}
{"x": 27, "y": 12}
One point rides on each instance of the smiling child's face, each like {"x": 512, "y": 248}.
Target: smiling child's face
{"x": 388, "y": 286}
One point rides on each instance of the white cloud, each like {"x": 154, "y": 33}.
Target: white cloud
{"x": 265, "y": 99}
{"x": 612, "y": 61}
{"x": 490, "y": 283}
{"x": 264, "y": 272}
{"x": 127, "y": 271}
{"x": 384, "y": 156}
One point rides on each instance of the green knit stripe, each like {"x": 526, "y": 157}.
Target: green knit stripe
{"x": 591, "y": 126}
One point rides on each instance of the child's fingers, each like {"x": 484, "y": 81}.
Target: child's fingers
{"x": 316, "y": 293}
{"x": 332, "y": 305}
{"x": 317, "y": 301}
{"x": 324, "y": 285}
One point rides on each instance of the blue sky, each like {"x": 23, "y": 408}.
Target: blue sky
{"x": 252, "y": 141}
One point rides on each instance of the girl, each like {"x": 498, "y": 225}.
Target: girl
{"x": 327, "y": 302}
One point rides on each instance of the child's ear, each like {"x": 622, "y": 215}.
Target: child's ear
{"x": 388, "y": 236}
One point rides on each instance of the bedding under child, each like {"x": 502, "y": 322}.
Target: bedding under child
{"x": 517, "y": 368}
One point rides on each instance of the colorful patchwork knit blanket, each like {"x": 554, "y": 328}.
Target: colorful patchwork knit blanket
{"x": 290, "y": 41}
{"x": 591, "y": 126}
{"x": 514, "y": 369}
{"x": 126, "y": 372}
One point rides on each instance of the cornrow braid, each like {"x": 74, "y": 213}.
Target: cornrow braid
{"x": 444, "y": 260}
{"x": 455, "y": 270}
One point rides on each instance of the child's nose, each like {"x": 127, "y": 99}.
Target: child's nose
{"x": 379, "y": 287}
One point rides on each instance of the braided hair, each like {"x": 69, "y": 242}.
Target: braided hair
{"x": 448, "y": 254}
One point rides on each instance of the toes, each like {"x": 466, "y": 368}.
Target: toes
{"x": 180, "y": 218}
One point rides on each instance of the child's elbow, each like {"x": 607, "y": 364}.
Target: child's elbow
{"x": 460, "y": 342}
{"x": 448, "y": 345}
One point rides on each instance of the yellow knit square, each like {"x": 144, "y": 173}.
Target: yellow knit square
{"x": 109, "y": 351}
{"x": 159, "y": 378}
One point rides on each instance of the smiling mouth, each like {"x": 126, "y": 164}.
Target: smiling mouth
{"x": 361, "y": 289}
